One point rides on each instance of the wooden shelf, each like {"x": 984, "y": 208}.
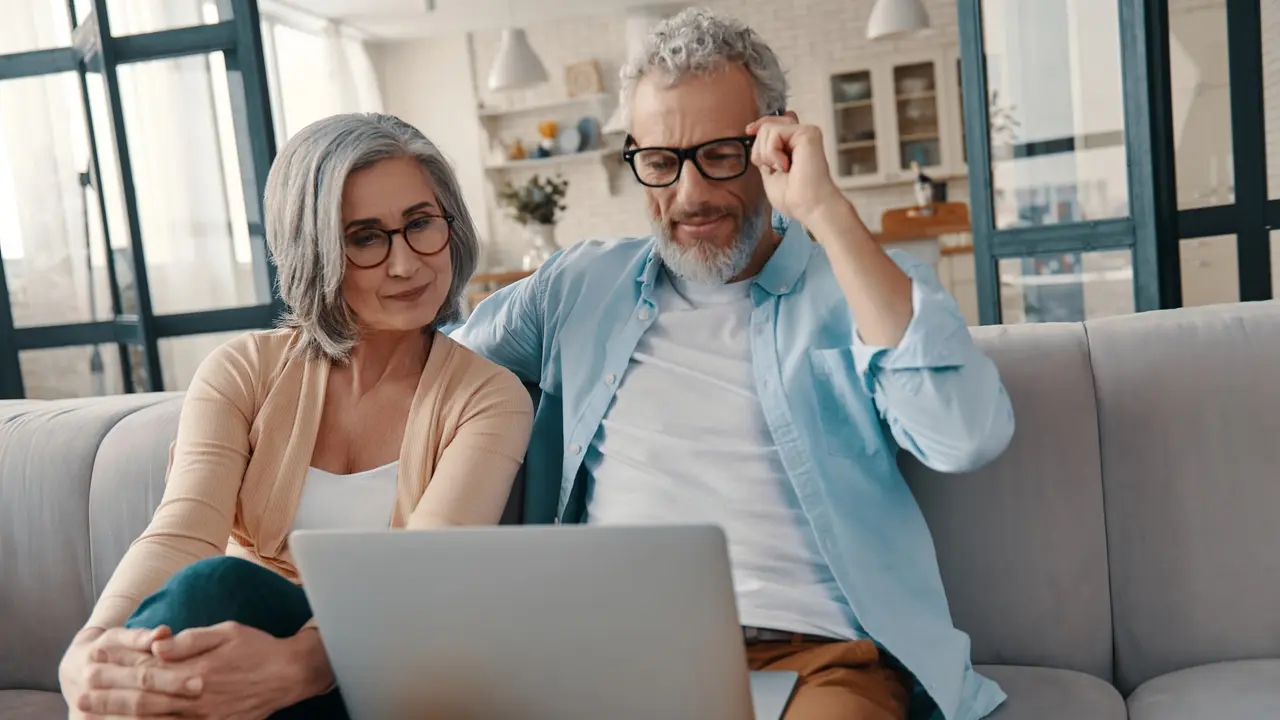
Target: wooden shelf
{"x": 607, "y": 159}
{"x": 926, "y": 95}
{"x": 503, "y": 277}
{"x": 544, "y": 108}
{"x": 850, "y": 104}
{"x": 586, "y": 156}
{"x": 856, "y": 145}
{"x": 919, "y": 137}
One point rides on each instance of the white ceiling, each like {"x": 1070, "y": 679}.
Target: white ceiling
{"x": 397, "y": 19}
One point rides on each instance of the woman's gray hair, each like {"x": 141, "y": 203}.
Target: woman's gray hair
{"x": 697, "y": 42}
{"x": 303, "y": 203}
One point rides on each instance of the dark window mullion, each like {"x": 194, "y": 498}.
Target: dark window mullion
{"x": 1248, "y": 120}
{"x": 1273, "y": 214}
{"x": 10, "y": 369}
{"x": 95, "y": 182}
{"x": 175, "y": 43}
{"x": 38, "y": 62}
{"x": 1153, "y": 194}
{"x": 215, "y": 321}
{"x": 978, "y": 150}
{"x": 1208, "y": 222}
{"x": 150, "y": 351}
{"x": 254, "y": 133}
{"x": 1062, "y": 238}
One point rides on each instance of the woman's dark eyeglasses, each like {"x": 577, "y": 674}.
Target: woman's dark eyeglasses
{"x": 723, "y": 159}
{"x": 426, "y": 235}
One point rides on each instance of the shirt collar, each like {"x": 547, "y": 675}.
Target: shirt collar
{"x": 780, "y": 273}
{"x": 789, "y": 260}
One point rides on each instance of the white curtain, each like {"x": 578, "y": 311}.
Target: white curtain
{"x": 319, "y": 68}
{"x": 53, "y": 265}
{"x": 186, "y": 173}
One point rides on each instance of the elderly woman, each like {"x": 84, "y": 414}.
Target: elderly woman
{"x": 357, "y": 414}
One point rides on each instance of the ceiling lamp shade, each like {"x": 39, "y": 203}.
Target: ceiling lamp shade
{"x": 895, "y": 18}
{"x": 517, "y": 65}
{"x": 640, "y": 22}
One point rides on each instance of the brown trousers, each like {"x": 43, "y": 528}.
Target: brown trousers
{"x": 838, "y": 680}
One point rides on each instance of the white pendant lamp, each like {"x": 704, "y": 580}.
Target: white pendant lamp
{"x": 895, "y": 18}
{"x": 517, "y": 65}
{"x": 640, "y": 22}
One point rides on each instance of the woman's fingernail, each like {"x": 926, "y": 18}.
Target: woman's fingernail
{"x": 194, "y": 684}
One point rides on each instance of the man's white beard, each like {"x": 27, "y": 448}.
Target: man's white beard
{"x": 708, "y": 264}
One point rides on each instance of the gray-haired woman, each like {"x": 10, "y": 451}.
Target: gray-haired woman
{"x": 356, "y": 414}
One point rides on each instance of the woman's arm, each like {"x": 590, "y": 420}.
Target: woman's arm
{"x": 206, "y": 467}
{"x": 472, "y": 481}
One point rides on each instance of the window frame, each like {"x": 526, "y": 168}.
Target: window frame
{"x": 238, "y": 35}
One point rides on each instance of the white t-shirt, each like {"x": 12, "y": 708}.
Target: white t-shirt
{"x": 359, "y": 501}
{"x": 685, "y": 441}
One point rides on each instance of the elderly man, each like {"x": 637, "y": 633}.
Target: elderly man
{"x": 731, "y": 370}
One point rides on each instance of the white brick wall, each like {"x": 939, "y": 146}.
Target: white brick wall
{"x": 813, "y": 38}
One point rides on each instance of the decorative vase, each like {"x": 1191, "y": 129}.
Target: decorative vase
{"x": 542, "y": 244}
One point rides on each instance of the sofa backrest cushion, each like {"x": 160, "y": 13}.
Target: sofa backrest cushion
{"x": 128, "y": 482}
{"x": 1189, "y": 408}
{"x": 47, "y": 455}
{"x": 1020, "y": 542}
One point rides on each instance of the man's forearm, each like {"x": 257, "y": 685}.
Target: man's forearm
{"x": 878, "y": 292}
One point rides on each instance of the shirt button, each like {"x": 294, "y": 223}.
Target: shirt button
{"x": 610, "y": 379}
{"x": 574, "y": 449}
{"x": 644, "y": 314}
{"x": 783, "y": 289}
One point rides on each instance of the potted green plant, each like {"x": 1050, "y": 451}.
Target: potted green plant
{"x": 536, "y": 204}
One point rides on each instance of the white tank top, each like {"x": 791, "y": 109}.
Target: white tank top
{"x": 359, "y": 501}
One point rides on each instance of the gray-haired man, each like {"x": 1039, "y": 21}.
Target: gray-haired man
{"x": 728, "y": 369}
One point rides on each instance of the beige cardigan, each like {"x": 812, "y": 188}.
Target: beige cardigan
{"x": 245, "y": 439}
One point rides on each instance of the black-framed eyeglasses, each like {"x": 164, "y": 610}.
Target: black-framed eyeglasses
{"x": 720, "y": 159}
{"x": 426, "y": 235}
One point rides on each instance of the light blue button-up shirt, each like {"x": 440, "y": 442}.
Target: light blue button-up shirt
{"x": 837, "y": 408}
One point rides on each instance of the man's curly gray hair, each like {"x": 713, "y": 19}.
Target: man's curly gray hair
{"x": 697, "y": 42}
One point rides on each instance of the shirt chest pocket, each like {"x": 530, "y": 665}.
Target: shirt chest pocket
{"x": 850, "y": 422}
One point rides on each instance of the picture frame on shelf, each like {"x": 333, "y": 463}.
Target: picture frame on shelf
{"x": 583, "y": 78}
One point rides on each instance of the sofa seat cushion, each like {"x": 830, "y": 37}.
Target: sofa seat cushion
{"x": 1238, "y": 690}
{"x": 1049, "y": 694}
{"x": 31, "y": 705}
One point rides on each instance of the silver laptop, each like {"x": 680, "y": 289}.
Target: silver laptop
{"x": 535, "y": 622}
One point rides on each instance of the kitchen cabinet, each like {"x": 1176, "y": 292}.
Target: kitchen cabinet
{"x": 893, "y": 111}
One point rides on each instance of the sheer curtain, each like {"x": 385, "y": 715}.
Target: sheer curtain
{"x": 49, "y": 242}
{"x": 318, "y": 68}
{"x": 186, "y": 173}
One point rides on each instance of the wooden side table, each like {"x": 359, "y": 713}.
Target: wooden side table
{"x": 483, "y": 285}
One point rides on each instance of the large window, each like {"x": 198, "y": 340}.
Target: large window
{"x": 1058, "y": 208}
{"x": 1123, "y": 176}
{"x": 1224, "y": 97}
{"x": 131, "y": 176}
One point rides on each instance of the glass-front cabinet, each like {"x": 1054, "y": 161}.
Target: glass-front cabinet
{"x": 895, "y": 113}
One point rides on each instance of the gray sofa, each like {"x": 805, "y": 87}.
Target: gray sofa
{"x": 1121, "y": 559}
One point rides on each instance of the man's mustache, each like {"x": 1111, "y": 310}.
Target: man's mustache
{"x": 701, "y": 213}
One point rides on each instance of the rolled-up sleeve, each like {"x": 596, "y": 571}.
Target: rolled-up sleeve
{"x": 940, "y": 395}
